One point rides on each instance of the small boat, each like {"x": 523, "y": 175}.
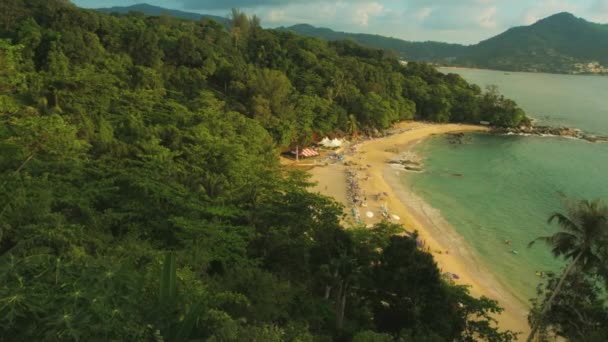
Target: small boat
{"x": 514, "y": 252}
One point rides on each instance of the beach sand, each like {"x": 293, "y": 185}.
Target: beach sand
{"x": 377, "y": 176}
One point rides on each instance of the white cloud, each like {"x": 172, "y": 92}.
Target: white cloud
{"x": 460, "y": 21}
{"x": 423, "y": 13}
{"x": 362, "y": 12}
{"x": 277, "y": 16}
{"x": 487, "y": 18}
{"x": 320, "y": 14}
{"x": 339, "y": 14}
{"x": 228, "y": 4}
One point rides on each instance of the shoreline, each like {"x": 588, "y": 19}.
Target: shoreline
{"x": 377, "y": 175}
{"x": 519, "y": 71}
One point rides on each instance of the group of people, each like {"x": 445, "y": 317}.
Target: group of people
{"x": 355, "y": 194}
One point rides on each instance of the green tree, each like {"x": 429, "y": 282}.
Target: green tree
{"x": 11, "y": 12}
{"x": 353, "y": 126}
{"x": 401, "y": 301}
{"x": 143, "y": 46}
{"x": 240, "y": 26}
{"x": 578, "y": 312}
{"x": 11, "y": 77}
{"x": 583, "y": 225}
{"x": 151, "y": 204}
{"x": 30, "y": 36}
{"x": 376, "y": 112}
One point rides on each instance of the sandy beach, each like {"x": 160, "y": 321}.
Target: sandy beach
{"x": 368, "y": 164}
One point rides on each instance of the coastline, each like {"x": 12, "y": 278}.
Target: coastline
{"x": 377, "y": 176}
{"x": 520, "y": 71}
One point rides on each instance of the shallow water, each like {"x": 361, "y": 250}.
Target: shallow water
{"x": 497, "y": 188}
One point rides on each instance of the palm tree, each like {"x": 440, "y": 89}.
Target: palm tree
{"x": 353, "y": 126}
{"x": 585, "y": 223}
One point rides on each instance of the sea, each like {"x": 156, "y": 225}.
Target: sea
{"x": 495, "y": 189}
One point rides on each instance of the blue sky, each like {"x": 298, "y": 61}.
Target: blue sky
{"x": 458, "y": 21}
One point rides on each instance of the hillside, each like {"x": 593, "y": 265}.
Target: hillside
{"x": 157, "y": 11}
{"x": 411, "y": 51}
{"x": 560, "y": 43}
{"x": 142, "y": 199}
{"x": 554, "y": 44}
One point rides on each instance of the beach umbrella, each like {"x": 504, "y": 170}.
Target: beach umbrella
{"x": 369, "y": 214}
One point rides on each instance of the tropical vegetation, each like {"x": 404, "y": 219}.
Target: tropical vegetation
{"x": 141, "y": 198}
{"x": 573, "y": 304}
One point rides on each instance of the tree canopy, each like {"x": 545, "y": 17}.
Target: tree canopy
{"x": 141, "y": 197}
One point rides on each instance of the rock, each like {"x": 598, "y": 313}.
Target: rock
{"x": 545, "y": 130}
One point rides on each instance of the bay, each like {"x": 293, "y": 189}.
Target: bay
{"x": 494, "y": 189}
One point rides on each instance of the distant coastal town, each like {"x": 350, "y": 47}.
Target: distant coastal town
{"x": 592, "y": 67}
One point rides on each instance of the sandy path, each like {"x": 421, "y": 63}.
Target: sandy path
{"x": 376, "y": 176}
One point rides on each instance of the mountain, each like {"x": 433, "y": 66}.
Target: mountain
{"x": 156, "y": 11}
{"x": 413, "y": 51}
{"x": 560, "y": 43}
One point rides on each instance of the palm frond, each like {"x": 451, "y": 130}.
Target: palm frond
{"x": 544, "y": 239}
{"x": 564, "y": 221}
{"x": 585, "y": 223}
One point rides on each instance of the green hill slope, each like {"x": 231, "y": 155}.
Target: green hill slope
{"x": 411, "y": 51}
{"x": 559, "y": 43}
{"x": 142, "y": 199}
{"x": 553, "y": 44}
{"x": 157, "y": 11}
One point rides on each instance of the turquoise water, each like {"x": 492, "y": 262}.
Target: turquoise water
{"x": 497, "y": 188}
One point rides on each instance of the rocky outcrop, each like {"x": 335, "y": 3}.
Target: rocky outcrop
{"x": 407, "y": 165}
{"x": 457, "y": 138}
{"x": 407, "y": 161}
{"x": 551, "y": 131}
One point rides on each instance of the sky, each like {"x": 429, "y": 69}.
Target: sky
{"x": 454, "y": 21}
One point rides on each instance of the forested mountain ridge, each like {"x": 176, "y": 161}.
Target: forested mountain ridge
{"x": 411, "y": 51}
{"x": 141, "y": 197}
{"x": 158, "y": 11}
{"x": 559, "y": 43}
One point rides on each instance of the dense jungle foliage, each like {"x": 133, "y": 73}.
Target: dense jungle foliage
{"x": 141, "y": 197}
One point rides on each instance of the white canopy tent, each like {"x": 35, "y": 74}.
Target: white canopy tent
{"x": 326, "y": 142}
{"x": 336, "y": 142}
